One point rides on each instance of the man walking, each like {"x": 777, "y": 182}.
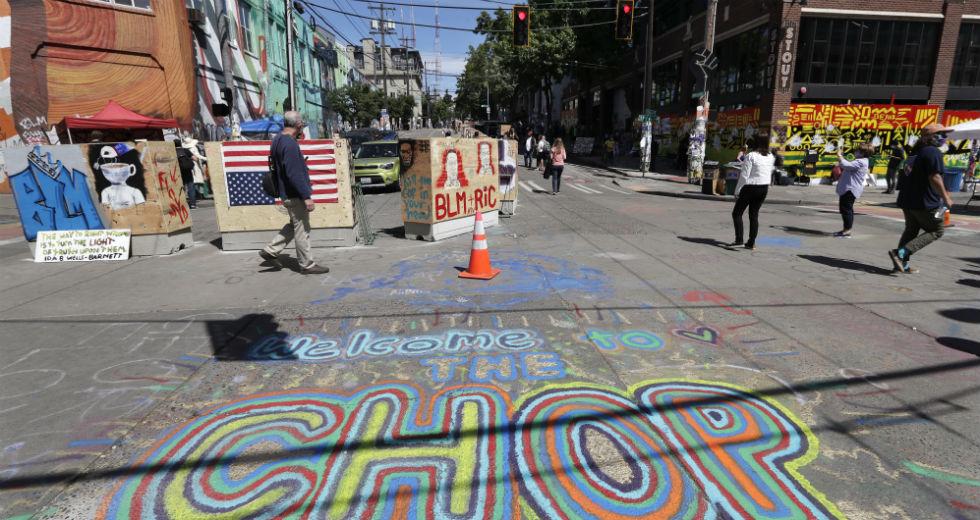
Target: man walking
{"x": 293, "y": 184}
{"x": 923, "y": 198}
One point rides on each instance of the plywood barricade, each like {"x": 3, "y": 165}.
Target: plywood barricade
{"x": 247, "y": 218}
{"x": 445, "y": 181}
{"x": 127, "y": 185}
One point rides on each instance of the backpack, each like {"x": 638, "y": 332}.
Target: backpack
{"x": 185, "y": 161}
{"x": 269, "y": 177}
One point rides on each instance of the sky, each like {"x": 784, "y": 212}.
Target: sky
{"x": 454, "y": 44}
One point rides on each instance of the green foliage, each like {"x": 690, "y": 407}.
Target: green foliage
{"x": 556, "y": 49}
{"x": 442, "y": 109}
{"x": 359, "y": 104}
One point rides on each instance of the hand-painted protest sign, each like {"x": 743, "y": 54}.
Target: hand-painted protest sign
{"x": 84, "y": 245}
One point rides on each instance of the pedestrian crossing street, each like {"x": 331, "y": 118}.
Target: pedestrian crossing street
{"x": 570, "y": 184}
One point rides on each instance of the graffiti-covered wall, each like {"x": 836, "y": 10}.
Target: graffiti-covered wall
{"x": 827, "y": 128}
{"x": 958, "y": 162}
{"x": 71, "y": 58}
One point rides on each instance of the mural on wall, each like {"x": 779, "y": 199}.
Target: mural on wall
{"x": 61, "y": 67}
{"x": 249, "y": 69}
{"x": 958, "y": 161}
{"x": 118, "y": 186}
{"x": 825, "y": 128}
{"x": 664, "y": 449}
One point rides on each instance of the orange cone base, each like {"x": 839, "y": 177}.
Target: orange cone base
{"x": 480, "y": 276}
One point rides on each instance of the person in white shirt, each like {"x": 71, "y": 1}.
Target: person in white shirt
{"x": 752, "y": 188}
{"x": 544, "y": 150}
{"x": 529, "y": 149}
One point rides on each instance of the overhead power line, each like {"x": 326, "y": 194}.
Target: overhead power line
{"x": 473, "y": 8}
{"x": 465, "y": 29}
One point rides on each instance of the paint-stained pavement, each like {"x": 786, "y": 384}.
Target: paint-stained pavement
{"x": 623, "y": 364}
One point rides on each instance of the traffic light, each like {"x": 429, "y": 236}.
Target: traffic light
{"x": 624, "y": 19}
{"x": 522, "y": 26}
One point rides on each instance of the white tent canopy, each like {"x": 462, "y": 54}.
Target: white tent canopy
{"x": 965, "y": 130}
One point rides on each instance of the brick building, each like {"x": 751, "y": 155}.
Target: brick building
{"x": 874, "y": 71}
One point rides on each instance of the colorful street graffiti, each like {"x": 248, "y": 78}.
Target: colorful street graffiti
{"x": 531, "y": 277}
{"x": 665, "y": 449}
{"x": 827, "y": 128}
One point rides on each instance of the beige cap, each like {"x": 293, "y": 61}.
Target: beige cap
{"x": 934, "y": 128}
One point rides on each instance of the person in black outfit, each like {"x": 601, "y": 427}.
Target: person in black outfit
{"x": 896, "y": 155}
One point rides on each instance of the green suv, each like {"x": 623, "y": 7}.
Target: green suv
{"x": 376, "y": 164}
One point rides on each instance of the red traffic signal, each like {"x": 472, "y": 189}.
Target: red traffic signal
{"x": 624, "y": 19}
{"x": 522, "y": 26}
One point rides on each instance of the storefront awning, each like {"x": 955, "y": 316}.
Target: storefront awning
{"x": 965, "y": 130}
{"x": 115, "y": 116}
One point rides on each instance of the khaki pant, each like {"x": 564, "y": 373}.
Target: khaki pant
{"x": 298, "y": 229}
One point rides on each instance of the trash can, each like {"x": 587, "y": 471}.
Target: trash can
{"x": 711, "y": 172}
{"x": 953, "y": 181}
{"x": 731, "y": 181}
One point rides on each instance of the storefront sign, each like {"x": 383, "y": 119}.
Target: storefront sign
{"x": 83, "y": 245}
{"x": 787, "y": 52}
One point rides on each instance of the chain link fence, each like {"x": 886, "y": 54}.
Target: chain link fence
{"x": 361, "y": 221}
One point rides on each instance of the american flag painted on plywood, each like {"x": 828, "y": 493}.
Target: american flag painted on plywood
{"x": 246, "y": 161}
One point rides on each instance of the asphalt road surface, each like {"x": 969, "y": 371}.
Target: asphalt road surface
{"x": 623, "y": 364}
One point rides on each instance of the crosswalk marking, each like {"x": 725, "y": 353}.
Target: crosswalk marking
{"x": 616, "y": 190}
{"x": 525, "y": 185}
{"x": 535, "y": 186}
{"x": 579, "y": 188}
{"x": 589, "y": 188}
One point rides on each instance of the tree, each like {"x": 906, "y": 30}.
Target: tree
{"x": 442, "y": 108}
{"x": 359, "y": 104}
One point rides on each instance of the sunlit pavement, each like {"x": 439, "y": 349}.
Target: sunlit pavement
{"x": 624, "y": 364}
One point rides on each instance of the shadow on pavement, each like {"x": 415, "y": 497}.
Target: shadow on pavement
{"x": 793, "y": 230}
{"x": 510, "y": 428}
{"x": 238, "y": 340}
{"x": 969, "y": 282}
{"x": 397, "y": 231}
{"x": 974, "y": 273}
{"x": 850, "y": 265}
{"x": 965, "y": 314}
{"x": 708, "y": 242}
{"x": 963, "y": 345}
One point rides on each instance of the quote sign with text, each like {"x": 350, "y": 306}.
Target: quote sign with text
{"x": 84, "y": 245}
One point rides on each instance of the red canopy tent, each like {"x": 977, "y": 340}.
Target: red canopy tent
{"x": 115, "y": 116}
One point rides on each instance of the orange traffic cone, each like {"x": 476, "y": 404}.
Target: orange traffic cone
{"x": 480, "y": 267}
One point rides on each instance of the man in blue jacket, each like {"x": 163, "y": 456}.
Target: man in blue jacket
{"x": 923, "y": 198}
{"x": 293, "y": 183}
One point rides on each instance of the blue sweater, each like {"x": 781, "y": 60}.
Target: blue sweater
{"x": 293, "y": 177}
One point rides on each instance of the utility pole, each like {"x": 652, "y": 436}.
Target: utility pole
{"x": 290, "y": 67}
{"x": 383, "y": 29}
{"x": 647, "y": 104}
{"x": 707, "y": 63}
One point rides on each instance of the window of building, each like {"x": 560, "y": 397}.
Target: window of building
{"x": 966, "y": 65}
{"x": 245, "y": 23}
{"x": 359, "y": 59}
{"x": 281, "y": 44}
{"x": 667, "y": 83}
{"x": 741, "y": 62}
{"x": 671, "y": 13}
{"x": 866, "y": 52}
{"x": 139, "y": 4}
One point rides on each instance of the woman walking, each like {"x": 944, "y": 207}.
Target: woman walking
{"x": 557, "y": 165}
{"x": 851, "y": 184}
{"x": 752, "y": 188}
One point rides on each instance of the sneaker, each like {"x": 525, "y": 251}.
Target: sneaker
{"x": 315, "y": 269}
{"x": 841, "y": 234}
{"x": 750, "y": 247}
{"x": 908, "y": 269}
{"x": 897, "y": 261}
{"x": 736, "y": 243}
{"x": 270, "y": 258}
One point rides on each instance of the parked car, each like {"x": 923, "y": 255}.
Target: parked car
{"x": 376, "y": 164}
